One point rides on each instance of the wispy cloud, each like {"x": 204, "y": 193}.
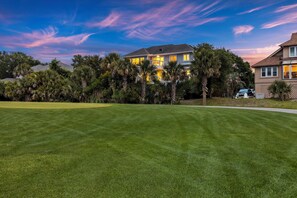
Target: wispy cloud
{"x": 111, "y": 21}
{"x": 285, "y": 8}
{"x": 289, "y": 16}
{"x": 283, "y": 20}
{"x": 254, "y": 55}
{"x": 45, "y": 37}
{"x": 148, "y": 24}
{"x": 252, "y": 10}
{"x": 243, "y": 29}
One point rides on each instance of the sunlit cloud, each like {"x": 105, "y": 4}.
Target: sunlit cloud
{"x": 154, "y": 22}
{"x": 252, "y": 10}
{"x": 243, "y": 29}
{"x": 283, "y": 20}
{"x": 289, "y": 16}
{"x": 254, "y": 55}
{"x": 45, "y": 37}
{"x": 285, "y": 8}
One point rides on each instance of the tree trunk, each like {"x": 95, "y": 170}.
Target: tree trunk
{"x": 143, "y": 91}
{"x": 204, "y": 89}
{"x": 173, "y": 92}
{"x": 83, "y": 83}
{"x": 125, "y": 83}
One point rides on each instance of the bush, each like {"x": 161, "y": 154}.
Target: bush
{"x": 280, "y": 89}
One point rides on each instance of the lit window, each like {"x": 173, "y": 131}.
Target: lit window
{"x": 290, "y": 71}
{"x": 186, "y": 57}
{"x": 286, "y": 72}
{"x": 188, "y": 72}
{"x": 160, "y": 74}
{"x": 294, "y": 71}
{"x": 293, "y": 51}
{"x": 269, "y": 72}
{"x": 158, "y": 60}
{"x": 137, "y": 61}
{"x": 172, "y": 58}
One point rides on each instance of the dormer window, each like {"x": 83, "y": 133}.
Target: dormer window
{"x": 293, "y": 51}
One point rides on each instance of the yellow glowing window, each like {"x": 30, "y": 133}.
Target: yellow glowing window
{"x": 160, "y": 74}
{"x": 286, "y": 71}
{"x": 137, "y": 61}
{"x": 172, "y": 58}
{"x": 188, "y": 72}
{"x": 294, "y": 71}
{"x": 186, "y": 57}
{"x": 158, "y": 60}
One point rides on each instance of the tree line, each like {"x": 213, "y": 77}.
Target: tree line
{"x": 213, "y": 72}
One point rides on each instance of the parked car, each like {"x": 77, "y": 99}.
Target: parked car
{"x": 245, "y": 93}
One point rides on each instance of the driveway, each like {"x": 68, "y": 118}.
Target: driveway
{"x": 291, "y": 111}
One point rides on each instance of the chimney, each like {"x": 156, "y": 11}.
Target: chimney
{"x": 294, "y": 36}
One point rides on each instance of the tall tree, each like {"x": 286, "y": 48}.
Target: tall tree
{"x": 22, "y": 70}
{"x": 9, "y": 61}
{"x": 93, "y": 61}
{"x": 206, "y": 64}
{"x": 145, "y": 73}
{"x": 55, "y": 66}
{"x": 173, "y": 72}
{"x": 125, "y": 69}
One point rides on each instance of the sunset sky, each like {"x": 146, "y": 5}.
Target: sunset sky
{"x": 62, "y": 28}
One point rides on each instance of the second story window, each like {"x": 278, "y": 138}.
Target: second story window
{"x": 158, "y": 60}
{"x": 293, "y": 51}
{"x": 172, "y": 58}
{"x": 137, "y": 61}
{"x": 186, "y": 57}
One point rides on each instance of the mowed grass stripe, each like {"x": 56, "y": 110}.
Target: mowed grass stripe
{"x": 147, "y": 150}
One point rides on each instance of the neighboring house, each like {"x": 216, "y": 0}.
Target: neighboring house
{"x": 281, "y": 65}
{"x": 38, "y": 68}
{"x": 159, "y": 56}
{"x": 5, "y": 80}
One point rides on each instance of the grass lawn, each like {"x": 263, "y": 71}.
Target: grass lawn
{"x": 251, "y": 102}
{"x": 146, "y": 151}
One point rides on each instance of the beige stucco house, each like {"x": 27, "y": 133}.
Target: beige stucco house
{"x": 281, "y": 65}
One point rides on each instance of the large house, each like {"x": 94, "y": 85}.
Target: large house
{"x": 159, "y": 56}
{"x": 281, "y": 65}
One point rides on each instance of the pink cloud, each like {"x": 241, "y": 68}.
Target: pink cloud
{"x": 152, "y": 23}
{"x": 283, "y": 20}
{"x": 45, "y": 37}
{"x": 111, "y": 21}
{"x": 252, "y": 10}
{"x": 285, "y": 8}
{"x": 243, "y": 29}
{"x": 254, "y": 55}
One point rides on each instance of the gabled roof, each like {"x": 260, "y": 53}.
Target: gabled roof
{"x": 273, "y": 60}
{"x": 292, "y": 41}
{"x": 162, "y": 49}
{"x": 38, "y": 68}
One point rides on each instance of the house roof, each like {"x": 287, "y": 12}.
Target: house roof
{"x": 273, "y": 60}
{"x": 162, "y": 49}
{"x": 38, "y": 68}
{"x": 292, "y": 41}
{"x": 8, "y": 80}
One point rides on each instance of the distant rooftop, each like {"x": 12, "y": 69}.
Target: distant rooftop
{"x": 38, "y": 68}
{"x": 162, "y": 49}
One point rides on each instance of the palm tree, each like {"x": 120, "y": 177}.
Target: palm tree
{"x": 145, "y": 72}
{"x": 110, "y": 63}
{"x": 206, "y": 64}
{"x": 125, "y": 69}
{"x": 22, "y": 70}
{"x": 173, "y": 72}
{"x": 84, "y": 74}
